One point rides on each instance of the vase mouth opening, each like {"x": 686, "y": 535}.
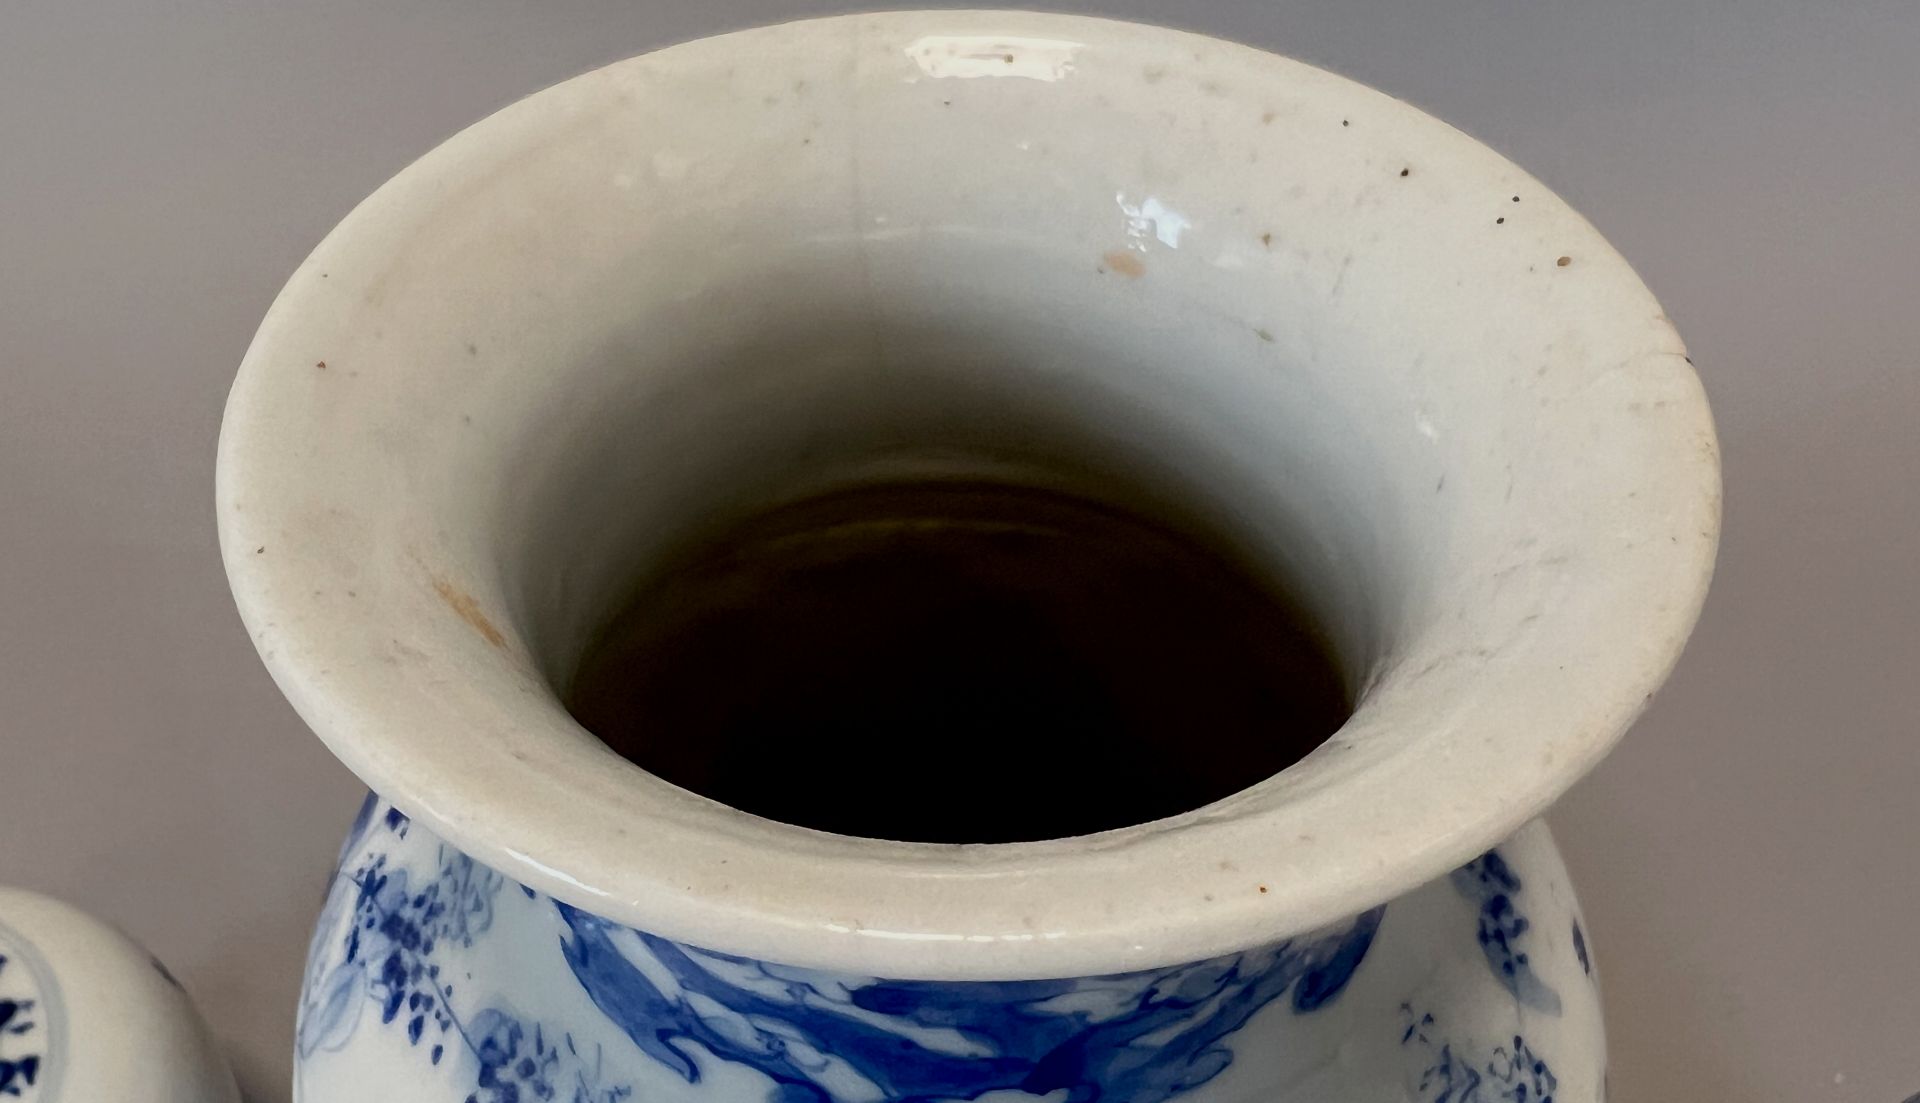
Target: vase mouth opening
{"x": 1217, "y": 286}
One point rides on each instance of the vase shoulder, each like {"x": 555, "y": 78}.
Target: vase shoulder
{"x": 433, "y": 977}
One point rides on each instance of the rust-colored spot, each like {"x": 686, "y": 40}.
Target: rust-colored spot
{"x": 1406, "y": 172}
{"x": 322, "y": 365}
{"x": 1263, "y": 890}
{"x": 1564, "y": 261}
{"x": 1126, "y": 264}
{"x": 462, "y": 603}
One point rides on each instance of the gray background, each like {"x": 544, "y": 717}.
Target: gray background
{"x": 1748, "y": 858}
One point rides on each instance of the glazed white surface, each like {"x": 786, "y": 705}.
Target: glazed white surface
{"x": 1493, "y": 471}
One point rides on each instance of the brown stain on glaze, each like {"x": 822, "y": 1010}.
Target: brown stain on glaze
{"x": 1564, "y": 261}
{"x": 1125, "y": 263}
{"x": 322, "y": 365}
{"x": 462, "y": 603}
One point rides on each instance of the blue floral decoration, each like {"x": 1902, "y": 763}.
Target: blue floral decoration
{"x": 1493, "y": 885}
{"x": 20, "y": 1056}
{"x": 388, "y": 963}
{"x": 1133, "y": 1038}
{"x": 1510, "y": 1073}
{"x": 398, "y": 916}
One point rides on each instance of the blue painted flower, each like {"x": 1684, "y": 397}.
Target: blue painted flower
{"x": 391, "y": 935}
{"x": 378, "y": 946}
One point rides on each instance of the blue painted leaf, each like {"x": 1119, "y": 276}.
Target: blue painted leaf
{"x": 333, "y": 1010}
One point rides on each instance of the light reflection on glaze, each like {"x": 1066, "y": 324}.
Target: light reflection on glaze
{"x": 969, "y": 56}
{"x": 942, "y": 936}
{"x": 1151, "y": 217}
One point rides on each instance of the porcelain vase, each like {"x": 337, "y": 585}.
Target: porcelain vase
{"x": 1382, "y": 361}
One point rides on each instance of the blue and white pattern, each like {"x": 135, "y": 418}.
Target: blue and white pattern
{"x": 387, "y": 964}
{"x": 432, "y": 977}
{"x": 1135, "y": 1038}
{"x": 1491, "y": 883}
{"x": 1507, "y": 1072}
{"x": 383, "y": 958}
{"x": 23, "y": 1036}
{"x": 387, "y": 956}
